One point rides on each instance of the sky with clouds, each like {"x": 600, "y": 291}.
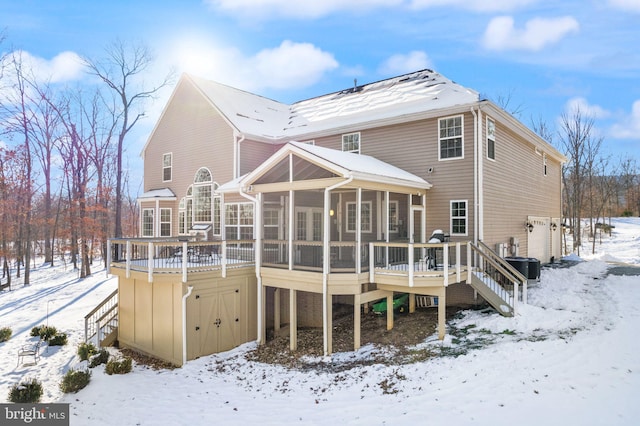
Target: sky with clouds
{"x": 544, "y": 56}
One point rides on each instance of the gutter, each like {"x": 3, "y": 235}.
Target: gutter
{"x": 184, "y": 324}
{"x": 238, "y": 138}
{"x": 475, "y": 175}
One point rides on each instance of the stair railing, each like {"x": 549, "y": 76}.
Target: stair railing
{"x": 499, "y": 275}
{"x": 103, "y": 315}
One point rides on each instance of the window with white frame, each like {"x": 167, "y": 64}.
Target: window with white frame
{"x": 216, "y": 215}
{"x": 165, "y": 222}
{"x": 202, "y": 195}
{"x": 352, "y": 215}
{"x": 167, "y": 162}
{"x": 450, "y": 138}
{"x": 182, "y": 221}
{"x": 271, "y": 219}
{"x": 238, "y": 221}
{"x": 491, "y": 139}
{"x": 459, "y": 217}
{"x": 147, "y": 222}
{"x": 393, "y": 216}
{"x": 351, "y": 142}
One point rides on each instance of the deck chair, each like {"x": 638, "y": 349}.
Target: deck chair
{"x": 32, "y": 350}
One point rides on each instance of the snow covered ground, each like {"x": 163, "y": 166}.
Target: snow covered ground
{"x": 570, "y": 357}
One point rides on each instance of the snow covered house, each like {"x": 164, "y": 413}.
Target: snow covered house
{"x": 258, "y": 214}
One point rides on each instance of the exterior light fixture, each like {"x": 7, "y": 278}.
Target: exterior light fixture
{"x": 331, "y": 213}
{"x": 554, "y": 226}
{"x": 529, "y": 226}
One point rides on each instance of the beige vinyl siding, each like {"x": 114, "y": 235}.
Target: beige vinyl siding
{"x": 253, "y": 154}
{"x": 414, "y": 148}
{"x": 197, "y": 136}
{"x": 515, "y": 187}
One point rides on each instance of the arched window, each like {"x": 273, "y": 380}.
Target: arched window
{"x": 202, "y": 192}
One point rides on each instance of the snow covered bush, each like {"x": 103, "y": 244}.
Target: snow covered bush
{"x": 45, "y": 332}
{"x": 26, "y": 392}
{"x": 58, "y": 339}
{"x": 118, "y": 366}
{"x": 100, "y": 358}
{"x": 5, "y": 334}
{"x": 86, "y": 350}
{"x": 75, "y": 380}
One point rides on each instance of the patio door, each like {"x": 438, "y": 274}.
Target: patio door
{"x": 417, "y": 226}
{"x": 308, "y": 224}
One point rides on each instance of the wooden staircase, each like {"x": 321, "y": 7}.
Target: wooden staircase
{"x": 101, "y": 324}
{"x": 498, "y": 282}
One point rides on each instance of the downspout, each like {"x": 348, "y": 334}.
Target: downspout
{"x": 237, "y": 140}
{"x": 475, "y": 176}
{"x": 481, "y": 156}
{"x": 258, "y": 256}
{"x": 184, "y": 324}
{"x": 325, "y": 261}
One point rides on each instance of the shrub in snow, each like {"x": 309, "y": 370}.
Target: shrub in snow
{"x": 26, "y": 392}
{"x": 86, "y": 350}
{"x": 58, "y": 340}
{"x": 118, "y": 366}
{"x": 44, "y": 331}
{"x": 100, "y": 358}
{"x": 75, "y": 380}
{"x": 5, "y": 334}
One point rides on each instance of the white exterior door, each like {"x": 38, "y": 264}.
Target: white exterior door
{"x": 539, "y": 238}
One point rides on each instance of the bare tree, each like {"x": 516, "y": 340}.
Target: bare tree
{"x": 576, "y": 136}
{"x": 124, "y": 63}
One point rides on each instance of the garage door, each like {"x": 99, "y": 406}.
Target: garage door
{"x": 538, "y": 240}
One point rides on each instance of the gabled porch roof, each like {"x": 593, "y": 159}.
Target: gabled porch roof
{"x": 165, "y": 194}
{"x": 302, "y": 166}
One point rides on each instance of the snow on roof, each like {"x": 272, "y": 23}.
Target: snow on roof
{"x": 400, "y": 96}
{"x": 157, "y": 193}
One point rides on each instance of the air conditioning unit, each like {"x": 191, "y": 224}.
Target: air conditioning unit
{"x": 501, "y": 249}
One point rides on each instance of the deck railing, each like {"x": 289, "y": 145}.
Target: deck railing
{"x": 181, "y": 257}
{"x": 420, "y": 260}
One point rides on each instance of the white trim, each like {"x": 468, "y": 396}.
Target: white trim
{"x": 170, "y": 166}
{"x": 461, "y": 157}
{"x": 142, "y": 228}
{"x": 358, "y": 219}
{"x": 160, "y": 222}
{"x": 465, "y": 217}
{"x": 491, "y": 138}
{"x": 359, "y": 150}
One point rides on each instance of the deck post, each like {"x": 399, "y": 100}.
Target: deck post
{"x": 442, "y": 313}
{"x": 293, "y": 319}
{"x": 276, "y": 309}
{"x": 412, "y": 303}
{"x": 356, "y": 321}
{"x": 390, "y": 311}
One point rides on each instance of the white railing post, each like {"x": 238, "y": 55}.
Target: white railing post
{"x": 224, "y": 259}
{"x": 411, "y": 265}
{"x": 515, "y": 296}
{"x": 445, "y": 261}
{"x": 128, "y": 260}
{"x": 150, "y": 256}
{"x": 458, "y": 260}
{"x": 469, "y": 263}
{"x": 371, "y": 263}
{"x": 185, "y": 259}
{"x": 108, "y": 256}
